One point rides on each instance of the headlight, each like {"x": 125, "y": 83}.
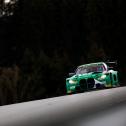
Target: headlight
{"x": 72, "y": 81}
{"x": 102, "y": 77}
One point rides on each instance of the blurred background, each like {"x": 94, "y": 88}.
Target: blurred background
{"x": 41, "y": 41}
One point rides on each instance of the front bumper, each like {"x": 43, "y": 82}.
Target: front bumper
{"x": 73, "y": 88}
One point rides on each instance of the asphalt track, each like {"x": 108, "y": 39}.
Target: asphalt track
{"x": 96, "y": 108}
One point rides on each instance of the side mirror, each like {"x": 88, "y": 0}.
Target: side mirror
{"x": 71, "y": 74}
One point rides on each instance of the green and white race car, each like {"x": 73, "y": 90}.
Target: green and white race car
{"x": 92, "y": 76}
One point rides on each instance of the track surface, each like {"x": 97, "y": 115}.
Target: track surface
{"x": 96, "y": 108}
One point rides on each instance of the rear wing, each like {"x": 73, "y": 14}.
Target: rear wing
{"x": 111, "y": 65}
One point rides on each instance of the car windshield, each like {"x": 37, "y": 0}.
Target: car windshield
{"x": 88, "y": 69}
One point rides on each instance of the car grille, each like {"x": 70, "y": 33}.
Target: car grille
{"x": 83, "y": 84}
{"x": 86, "y": 84}
{"x": 90, "y": 83}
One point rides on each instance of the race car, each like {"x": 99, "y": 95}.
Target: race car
{"x": 92, "y": 76}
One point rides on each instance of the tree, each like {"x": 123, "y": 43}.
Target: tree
{"x": 9, "y": 78}
{"x": 7, "y": 7}
{"x": 96, "y": 53}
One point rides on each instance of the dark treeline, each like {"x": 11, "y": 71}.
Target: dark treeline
{"x": 46, "y": 39}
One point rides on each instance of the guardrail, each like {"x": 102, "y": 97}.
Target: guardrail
{"x": 62, "y": 110}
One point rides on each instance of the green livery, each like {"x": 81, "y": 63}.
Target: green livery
{"x": 92, "y": 76}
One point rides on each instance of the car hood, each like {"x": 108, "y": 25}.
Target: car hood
{"x": 86, "y": 75}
